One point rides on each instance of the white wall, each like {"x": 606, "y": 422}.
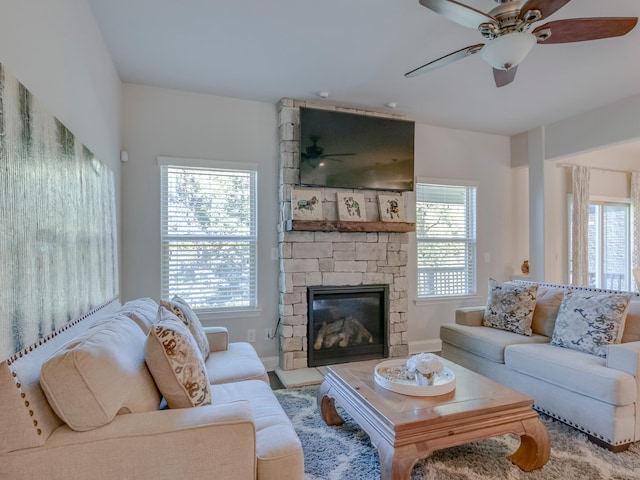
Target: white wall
{"x": 609, "y": 125}
{"x": 56, "y": 50}
{"x": 175, "y": 123}
{"x": 519, "y": 218}
{"x": 476, "y": 157}
{"x": 591, "y": 138}
{"x": 167, "y": 122}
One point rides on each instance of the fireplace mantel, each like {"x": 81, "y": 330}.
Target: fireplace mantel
{"x": 338, "y": 226}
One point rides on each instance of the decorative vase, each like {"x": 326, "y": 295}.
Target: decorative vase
{"x": 425, "y": 379}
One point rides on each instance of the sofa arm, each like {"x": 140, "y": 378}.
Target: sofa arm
{"x": 214, "y": 441}
{"x": 624, "y": 357}
{"x": 218, "y": 338}
{"x": 470, "y": 316}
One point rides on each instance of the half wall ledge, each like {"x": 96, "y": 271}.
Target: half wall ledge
{"x": 337, "y": 226}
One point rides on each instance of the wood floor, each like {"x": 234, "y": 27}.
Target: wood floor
{"x": 275, "y": 382}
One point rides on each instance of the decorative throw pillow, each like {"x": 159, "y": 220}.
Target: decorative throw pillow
{"x": 143, "y": 311}
{"x": 590, "y": 322}
{"x": 184, "y": 312}
{"x": 548, "y": 303}
{"x": 100, "y": 374}
{"x": 175, "y": 361}
{"x": 510, "y": 306}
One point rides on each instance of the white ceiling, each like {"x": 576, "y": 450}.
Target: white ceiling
{"x": 358, "y": 51}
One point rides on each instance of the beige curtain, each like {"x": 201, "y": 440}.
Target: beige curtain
{"x": 635, "y": 223}
{"x": 580, "y": 227}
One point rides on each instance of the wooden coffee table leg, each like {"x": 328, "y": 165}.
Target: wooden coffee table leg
{"x": 535, "y": 447}
{"x": 327, "y": 406}
{"x": 397, "y": 463}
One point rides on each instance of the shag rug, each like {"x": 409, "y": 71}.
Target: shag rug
{"x": 345, "y": 452}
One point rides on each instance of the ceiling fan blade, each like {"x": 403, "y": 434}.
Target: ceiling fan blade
{"x": 458, "y": 12}
{"x": 442, "y": 61}
{"x": 504, "y": 77}
{"x": 583, "y": 29}
{"x": 546, "y": 7}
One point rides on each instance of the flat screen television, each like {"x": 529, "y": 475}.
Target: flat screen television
{"x": 346, "y": 150}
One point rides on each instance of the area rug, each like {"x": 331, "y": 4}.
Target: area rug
{"x": 345, "y": 452}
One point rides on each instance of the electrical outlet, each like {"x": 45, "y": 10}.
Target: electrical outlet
{"x": 251, "y": 336}
{"x": 268, "y": 334}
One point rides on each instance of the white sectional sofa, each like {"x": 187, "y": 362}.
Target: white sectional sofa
{"x": 122, "y": 429}
{"x": 599, "y": 395}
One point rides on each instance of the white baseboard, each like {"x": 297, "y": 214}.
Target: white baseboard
{"x": 425, "y": 346}
{"x": 270, "y": 363}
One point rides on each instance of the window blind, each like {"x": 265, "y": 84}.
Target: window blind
{"x": 209, "y": 236}
{"x": 446, "y": 239}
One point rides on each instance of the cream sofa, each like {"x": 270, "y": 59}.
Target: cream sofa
{"x": 600, "y": 396}
{"x": 242, "y": 434}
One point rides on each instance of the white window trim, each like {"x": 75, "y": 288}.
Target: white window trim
{"x": 472, "y": 297}
{"x": 203, "y": 163}
{"x": 212, "y": 314}
{"x": 601, "y": 200}
{"x": 448, "y": 181}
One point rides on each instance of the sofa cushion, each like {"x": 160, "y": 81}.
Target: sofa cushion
{"x": 485, "y": 342}
{"x": 631, "y": 331}
{"x": 278, "y": 448}
{"x": 573, "y": 370}
{"x": 588, "y": 322}
{"x": 99, "y": 374}
{"x": 184, "y": 312}
{"x": 239, "y": 361}
{"x": 510, "y": 306}
{"x": 143, "y": 311}
{"x": 176, "y": 363}
{"x": 548, "y": 303}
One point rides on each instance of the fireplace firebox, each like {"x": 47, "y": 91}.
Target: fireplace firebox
{"x": 347, "y": 323}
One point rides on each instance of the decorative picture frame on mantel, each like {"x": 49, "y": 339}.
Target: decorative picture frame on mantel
{"x": 351, "y": 207}
{"x": 306, "y": 204}
{"x": 392, "y": 208}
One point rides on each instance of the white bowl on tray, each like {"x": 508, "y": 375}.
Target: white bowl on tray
{"x": 444, "y": 382}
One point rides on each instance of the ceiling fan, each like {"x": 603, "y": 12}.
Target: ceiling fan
{"x": 506, "y": 28}
{"x": 314, "y": 154}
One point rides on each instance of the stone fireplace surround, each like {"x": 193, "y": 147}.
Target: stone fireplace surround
{"x": 331, "y": 258}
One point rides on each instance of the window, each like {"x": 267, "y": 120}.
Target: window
{"x": 446, "y": 239}
{"x": 609, "y": 245}
{"x": 209, "y": 236}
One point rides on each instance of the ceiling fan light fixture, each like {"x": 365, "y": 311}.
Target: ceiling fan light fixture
{"x": 508, "y": 50}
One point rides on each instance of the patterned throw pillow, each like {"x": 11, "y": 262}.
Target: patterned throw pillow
{"x": 176, "y": 364}
{"x": 510, "y": 306}
{"x": 184, "y": 312}
{"x": 589, "y": 322}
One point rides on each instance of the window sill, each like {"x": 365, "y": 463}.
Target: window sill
{"x": 473, "y": 299}
{"x": 230, "y": 314}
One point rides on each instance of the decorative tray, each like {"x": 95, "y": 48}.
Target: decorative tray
{"x": 391, "y": 375}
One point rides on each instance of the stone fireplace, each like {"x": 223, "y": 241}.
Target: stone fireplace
{"x": 331, "y": 253}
